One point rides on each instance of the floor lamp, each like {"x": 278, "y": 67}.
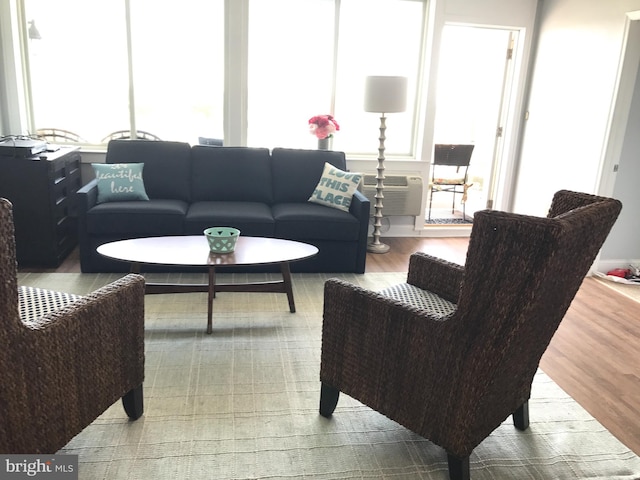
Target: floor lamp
{"x": 383, "y": 95}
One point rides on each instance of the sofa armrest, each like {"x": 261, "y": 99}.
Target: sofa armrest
{"x": 360, "y": 208}
{"x": 435, "y": 275}
{"x": 87, "y": 197}
{"x": 360, "y": 205}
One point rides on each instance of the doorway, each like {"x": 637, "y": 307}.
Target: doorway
{"x": 620, "y": 168}
{"x": 475, "y": 77}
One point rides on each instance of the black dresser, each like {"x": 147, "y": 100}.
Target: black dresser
{"x": 42, "y": 190}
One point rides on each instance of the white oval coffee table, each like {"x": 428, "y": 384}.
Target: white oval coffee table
{"x": 193, "y": 251}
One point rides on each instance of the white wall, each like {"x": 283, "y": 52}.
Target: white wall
{"x": 623, "y": 245}
{"x": 572, "y": 90}
{"x": 567, "y": 139}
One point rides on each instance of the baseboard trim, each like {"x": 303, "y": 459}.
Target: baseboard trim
{"x": 605, "y": 265}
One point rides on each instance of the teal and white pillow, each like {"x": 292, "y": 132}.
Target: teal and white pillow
{"x": 335, "y": 188}
{"x": 120, "y": 182}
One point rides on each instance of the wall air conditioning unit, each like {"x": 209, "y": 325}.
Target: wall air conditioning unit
{"x": 402, "y": 194}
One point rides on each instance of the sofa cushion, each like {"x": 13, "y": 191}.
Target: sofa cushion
{"x": 239, "y": 174}
{"x": 335, "y": 188}
{"x": 119, "y": 182}
{"x": 302, "y": 221}
{"x": 167, "y": 165}
{"x": 297, "y": 172}
{"x": 155, "y": 217}
{"x": 251, "y": 218}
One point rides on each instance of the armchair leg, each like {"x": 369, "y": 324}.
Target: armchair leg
{"x": 328, "y": 399}
{"x": 521, "y": 416}
{"x": 458, "y": 468}
{"x": 132, "y": 401}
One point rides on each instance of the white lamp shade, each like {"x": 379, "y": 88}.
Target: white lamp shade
{"x": 385, "y": 94}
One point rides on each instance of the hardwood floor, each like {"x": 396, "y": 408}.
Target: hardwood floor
{"x": 593, "y": 355}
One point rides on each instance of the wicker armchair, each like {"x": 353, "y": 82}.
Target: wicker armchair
{"x": 452, "y": 353}
{"x": 64, "y": 358}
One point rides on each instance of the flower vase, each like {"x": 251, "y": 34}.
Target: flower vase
{"x": 325, "y": 143}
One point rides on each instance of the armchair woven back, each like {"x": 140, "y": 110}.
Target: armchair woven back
{"x": 455, "y": 379}
{"x": 520, "y": 277}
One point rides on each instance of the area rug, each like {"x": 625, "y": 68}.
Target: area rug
{"x": 242, "y": 403}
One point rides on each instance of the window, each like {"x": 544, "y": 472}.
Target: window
{"x": 78, "y": 66}
{"x": 379, "y": 37}
{"x": 80, "y": 76}
{"x": 303, "y": 58}
{"x": 290, "y": 70}
{"x": 178, "y": 68}
{"x": 296, "y": 70}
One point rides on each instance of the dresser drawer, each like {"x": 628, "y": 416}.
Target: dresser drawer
{"x": 43, "y": 192}
{"x": 61, "y": 192}
{"x": 65, "y": 228}
{"x": 61, "y": 210}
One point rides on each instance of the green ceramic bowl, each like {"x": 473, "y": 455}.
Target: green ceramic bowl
{"x": 222, "y": 239}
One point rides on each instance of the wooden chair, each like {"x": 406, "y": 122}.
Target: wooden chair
{"x": 126, "y": 134}
{"x": 450, "y": 173}
{"x": 451, "y": 353}
{"x": 64, "y": 358}
{"x": 57, "y": 135}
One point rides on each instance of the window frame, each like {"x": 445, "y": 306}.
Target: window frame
{"x": 235, "y": 118}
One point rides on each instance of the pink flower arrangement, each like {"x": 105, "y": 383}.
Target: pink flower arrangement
{"x": 323, "y": 126}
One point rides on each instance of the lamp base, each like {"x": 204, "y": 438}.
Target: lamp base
{"x": 378, "y": 247}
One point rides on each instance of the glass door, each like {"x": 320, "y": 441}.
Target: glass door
{"x": 475, "y": 75}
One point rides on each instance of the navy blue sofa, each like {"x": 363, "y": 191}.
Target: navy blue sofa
{"x": 261, "y": 193}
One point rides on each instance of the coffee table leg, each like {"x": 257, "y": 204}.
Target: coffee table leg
{"x": 288, "y": 287}
{"x": 212, "y": 294}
